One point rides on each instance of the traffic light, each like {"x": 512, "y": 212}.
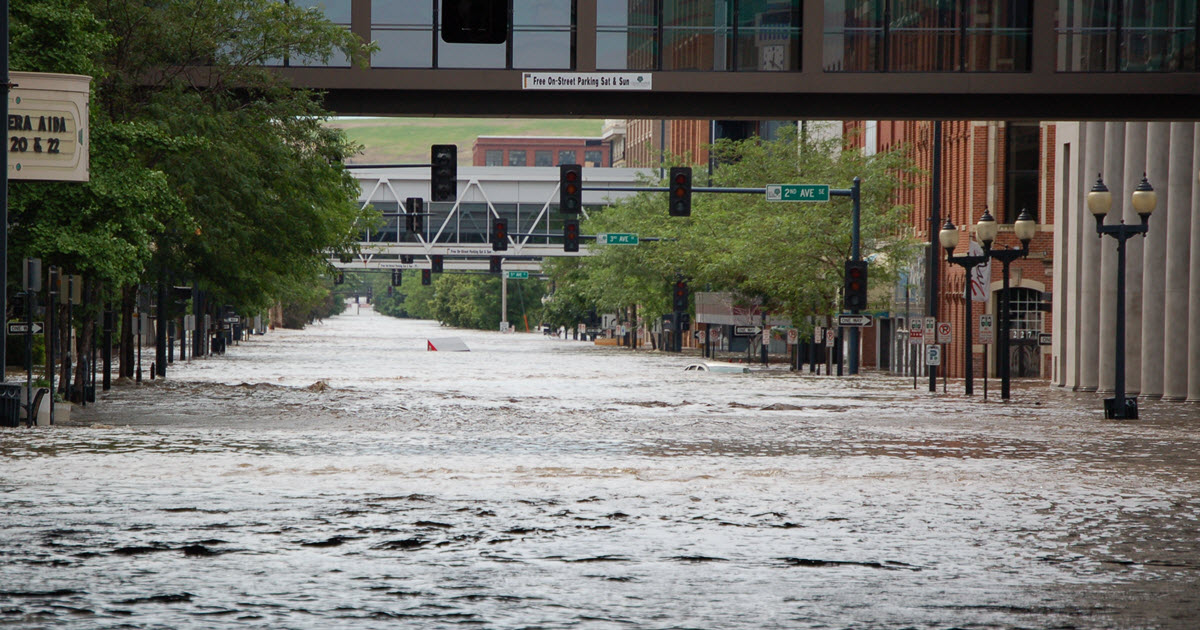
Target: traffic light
{"x": 679, "y": 298}
{"x": 855, "y": 293}
{"x": 426, "y": 277}
{"x": 437, "y": 263}
{"x": 443, "y": 175}
{"x": 474, "y": 21}
{"x": 500, "y": 235}
{"x": 406, "y": 259}
{"x": 681, "y": 192}
{"x": 391, "y": 290}
{"x": 570, "y": 188}
{"x": 570, "y": 235}
{"x": 340, "y": 278}
{"x": 414, "y": 211}
{"x": 397, "y": 277}
{"x": 494, "y": 264}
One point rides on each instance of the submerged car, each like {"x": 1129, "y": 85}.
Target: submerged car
{"x": 724, "y": 368}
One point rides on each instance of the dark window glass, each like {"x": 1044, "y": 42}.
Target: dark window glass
{"x": 493, "y": 157}
{"x": 543, "y": 157}
{"x": 516, "y": 158}
{"x": 566, "y": 157}
{"x": 593, "y": 158}
{"x": 927, "y": 35}
{"x": 1127, "y": 36}
{"x": 1021, "y": 170}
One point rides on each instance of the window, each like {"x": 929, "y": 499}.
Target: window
{"x": 593, "y": 158}
{"x": 338, "y": 12}
{"x": 566, "y": 157}
{"x": 404, "y": 32}
{"x": 927, "y": 35}
{"x": 493, "y": 157}
{"x": 543, "y": 157}
{"x": 516, "y": 158}
{"x": 705, "y": 35}
{"x": 1127, "y": 36}
{"x": 1022, "y": 149}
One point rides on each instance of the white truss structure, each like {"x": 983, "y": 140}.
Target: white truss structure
{"x": 460, "y": 232}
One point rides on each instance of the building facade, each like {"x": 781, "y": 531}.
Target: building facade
{"x": 541, "y": 151}
{"x": 1162, "y": 297}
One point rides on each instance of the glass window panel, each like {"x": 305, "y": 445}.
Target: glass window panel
{"x": 626, "y": 50}
{"x": 691, "y": 49}
{"x": 493, "y": 157}
{"x": 541, "y": 49}
{"x": 593, "y": 158}
{"x": 402, "y": 48}
{"x": 543, "y": 157}
{"x": 541, "y": 13}
{"x": 853, "y": 36}
{"x": 516, "y": 158}
{"x": 338, "y": 11}
{"x": 625, "y": 13}
{"x": 471, "y": 55}
{"x": 566, "y": 157}
{"x": 758, "y": 53}
{"x": 407, "y": 12}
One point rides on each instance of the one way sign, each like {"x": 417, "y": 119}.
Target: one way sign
{"x": 19, "y": 328}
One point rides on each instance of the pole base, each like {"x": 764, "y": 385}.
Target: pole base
{"x": 1112, "y": 413}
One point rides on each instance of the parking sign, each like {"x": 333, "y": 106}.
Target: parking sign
{"x": 987, "y": 329}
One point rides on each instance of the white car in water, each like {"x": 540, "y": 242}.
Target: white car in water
{"x": 724, "y": 368}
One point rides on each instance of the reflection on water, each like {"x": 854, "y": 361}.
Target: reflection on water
{"x": 343, "y": 476}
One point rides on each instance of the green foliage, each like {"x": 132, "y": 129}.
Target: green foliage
{"x": 224, "y": 177}
{"x": 790, "y": 254}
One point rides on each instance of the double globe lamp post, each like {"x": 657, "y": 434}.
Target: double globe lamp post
{"x": 1099, "y": 202}
{"x": 987, "y": 228}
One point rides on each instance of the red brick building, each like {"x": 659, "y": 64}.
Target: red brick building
{"x": 540, "y": 151}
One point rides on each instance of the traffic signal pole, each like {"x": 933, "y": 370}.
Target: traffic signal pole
{"x": 855, "y": 255}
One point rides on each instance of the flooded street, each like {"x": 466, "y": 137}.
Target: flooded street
{"x": 345, "y": 477}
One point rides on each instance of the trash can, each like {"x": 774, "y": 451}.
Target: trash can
{"x": 10, "y": 404}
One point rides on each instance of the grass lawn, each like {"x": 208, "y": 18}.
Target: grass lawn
{"x": 407, "y": 140}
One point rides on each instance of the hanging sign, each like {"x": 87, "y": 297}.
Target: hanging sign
{"x": 48, "y": 127}
{"x": 981, "y": 275}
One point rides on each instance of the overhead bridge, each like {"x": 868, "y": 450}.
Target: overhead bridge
{"x": 461, "y": 231}
{"x": 808, "y": 59}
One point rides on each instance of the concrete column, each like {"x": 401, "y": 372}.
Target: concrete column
{"x": 1193, "y": 347}
{"x": 1178, "y": 224}
{"x": 1135, "y": 165}
{"x": 1092, "y": 158}
{"x": 1114, "y": 178}
{"x": 1154, "y": 260}
{"x": 1066, "y": 235}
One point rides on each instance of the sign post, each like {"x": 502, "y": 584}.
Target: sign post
{"x": 987, "y": 334}
{"x": 798, "y": 192}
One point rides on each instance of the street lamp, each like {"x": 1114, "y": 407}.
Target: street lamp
{"x": 949, "y": 240}
{"x": 1024, "y": 228}
{"x": 1099, "y": 202}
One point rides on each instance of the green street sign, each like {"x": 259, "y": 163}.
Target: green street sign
{"x": 518, "y": 275}
{"x": 797, "y": 192}
{"x": 617, "y": 239}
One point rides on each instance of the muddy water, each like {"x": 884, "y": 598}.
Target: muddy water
{"x": 345, "y": 477}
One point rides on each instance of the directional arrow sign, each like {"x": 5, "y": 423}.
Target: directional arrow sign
{"x": 518, "y": 275}
{"x": 19, "y": 328}
{"x": 797, "y": 192}
{"x": 858, "y": 321}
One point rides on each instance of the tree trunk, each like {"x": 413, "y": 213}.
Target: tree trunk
{"x": 128, "y": 298}
{"x": 83, "y": 345}
{"x": 63, "y": 332}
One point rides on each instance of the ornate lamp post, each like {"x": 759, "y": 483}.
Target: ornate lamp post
{"x": 1099, "y": 202}
{"x": 1024, "y": 228}
{"x": 949, "y": 240}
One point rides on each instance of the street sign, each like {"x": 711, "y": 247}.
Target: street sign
{"x": 933, "y": 354}
{"x": 987, "y": 329}
{"x": 944, "y": 332}
{"x": 797, "y": 192}
{"x": 746, "y": 331}
{"x": 616, "y": 239}
{"x": 817, "y": 334}
{"x": 1045, "y": 339}
{"x": 930, "y": 329}
{"x": 916, "y": 333}
{"x": 19, "y": 328}
{"x": 828, "y": 337}
{"x": 858, "y": 321}
{"x": 793, "y": 336}
{"x": 518, "y": 275}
